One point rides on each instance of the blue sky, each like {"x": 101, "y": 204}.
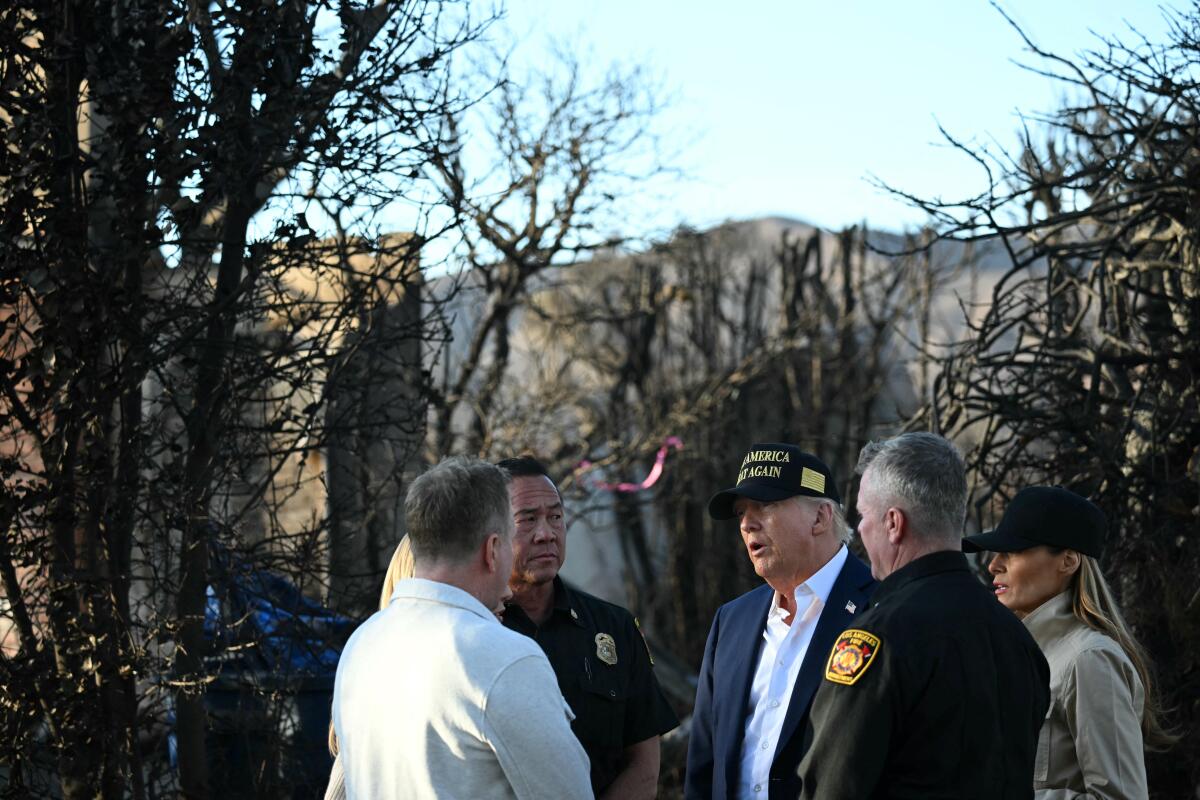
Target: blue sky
{"x": 788, "y": 107}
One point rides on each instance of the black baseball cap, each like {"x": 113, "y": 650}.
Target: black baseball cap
{"x": 774, "y": 471}
{"x": 1048, "y": 515}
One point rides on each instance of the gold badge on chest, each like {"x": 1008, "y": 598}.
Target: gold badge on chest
{"x": 606, "y": 649}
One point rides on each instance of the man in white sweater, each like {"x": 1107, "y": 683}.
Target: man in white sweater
{"x": 434, "y": 697}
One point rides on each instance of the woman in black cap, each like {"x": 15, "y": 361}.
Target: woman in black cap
{"x": 1103, "y": 710}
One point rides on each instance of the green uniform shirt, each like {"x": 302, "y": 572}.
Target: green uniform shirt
{"x": 604, "y": 672}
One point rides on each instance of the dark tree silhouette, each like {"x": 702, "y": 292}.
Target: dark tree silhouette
{"x": 537, "y": 176}
{"x": 191, "y": 267}
{"x": 1084, "y": 368}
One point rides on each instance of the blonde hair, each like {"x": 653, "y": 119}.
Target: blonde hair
{"x": 399, "y": 568}
{"x": 1094, "y": 605}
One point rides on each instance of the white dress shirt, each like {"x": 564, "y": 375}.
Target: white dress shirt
{"x": 434, "y": 698}
{"x": 783, "y": 650}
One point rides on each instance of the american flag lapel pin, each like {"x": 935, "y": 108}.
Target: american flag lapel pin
{"x": 850, "y": 606}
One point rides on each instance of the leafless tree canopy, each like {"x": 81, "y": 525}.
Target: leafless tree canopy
{"x": 537, "y": 176}
{"x": 1084, "y": 369}
{"x": 197, "y": 306}
{"x": 218, "y": 362}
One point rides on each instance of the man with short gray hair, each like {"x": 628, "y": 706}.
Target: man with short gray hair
{"x": 934, "y": 692}
{"x": 433, "y": 697}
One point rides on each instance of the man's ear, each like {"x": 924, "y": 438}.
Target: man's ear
{"x": 896, "y": 525}
{"x": 824, "y": 518}
{"x": 491, "y": 552}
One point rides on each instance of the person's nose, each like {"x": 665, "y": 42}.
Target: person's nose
{"x": 543, "y": 531}
{"x": 996, "y": 566}
{"x": 749, "y": 522}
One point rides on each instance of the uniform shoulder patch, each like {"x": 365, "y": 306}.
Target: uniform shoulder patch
{"x": 853, "y": 653}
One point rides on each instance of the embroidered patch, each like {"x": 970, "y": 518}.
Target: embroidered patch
{"x": 811, "y": 479}
{"x": 606, "y": 649}
{"x": 852, "y": 654}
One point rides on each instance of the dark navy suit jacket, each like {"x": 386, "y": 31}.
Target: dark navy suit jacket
{"x": 730, "y": 656}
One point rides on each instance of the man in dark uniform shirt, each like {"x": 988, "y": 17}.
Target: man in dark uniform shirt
{"x": 599, "y": 656}
{"x": 935, "y": 692}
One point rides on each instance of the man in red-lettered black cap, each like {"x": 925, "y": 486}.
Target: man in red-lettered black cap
{"x": 766, "y": 650}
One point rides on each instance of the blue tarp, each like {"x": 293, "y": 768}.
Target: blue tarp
{"x": 274, "y": 654}
{"x": 257, "y": 621}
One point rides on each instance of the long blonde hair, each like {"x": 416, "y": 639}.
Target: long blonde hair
{"x": 1094, "y": 605}
{"x": 399, "y": 568}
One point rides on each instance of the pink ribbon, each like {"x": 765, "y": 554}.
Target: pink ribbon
{"x": 655, "y": 472}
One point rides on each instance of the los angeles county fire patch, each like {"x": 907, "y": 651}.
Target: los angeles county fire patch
{"x": 852, "y": 655}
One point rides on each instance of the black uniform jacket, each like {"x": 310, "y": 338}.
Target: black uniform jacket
{"x": 937, "y": 692}
{"x": 605, "y": 673}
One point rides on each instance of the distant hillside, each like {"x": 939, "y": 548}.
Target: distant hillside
{"x": 965, "y": 277}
